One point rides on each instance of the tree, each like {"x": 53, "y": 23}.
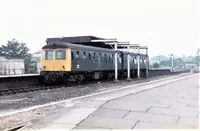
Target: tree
{"x": 155, "y": 65}
{"x": 165, "y": 63}
{"x": 179, "y": 62}
{"x": 15, "y": 50}
{"x": 197, "y": 57}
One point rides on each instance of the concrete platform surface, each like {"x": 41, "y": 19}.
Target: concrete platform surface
{"x": 22, "y": 75}
{"x": 170, "y": 105}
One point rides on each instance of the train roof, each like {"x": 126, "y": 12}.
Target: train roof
{"x": 74, "y": 39}
{"x": 56, "y": 45}
{"x": 80, "y": 40}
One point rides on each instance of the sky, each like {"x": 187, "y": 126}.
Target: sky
{"x": 165, "y": 26}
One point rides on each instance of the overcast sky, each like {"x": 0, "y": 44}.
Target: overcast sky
{"x": 165, "y": 26}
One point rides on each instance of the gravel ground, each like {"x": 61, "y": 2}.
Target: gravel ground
{"x": 20, "y": 119}
{"x": 24, "y": 100}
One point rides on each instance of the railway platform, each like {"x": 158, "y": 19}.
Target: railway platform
{"x": 164, "y": 104}
{"x": 22, "y": 75}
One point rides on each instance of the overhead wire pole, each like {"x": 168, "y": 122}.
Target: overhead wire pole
{"x": 116, "y": 64}
{"x": 147, "y": 63}
{"x": 147, "y": 59}
{"x": 122, "y": 43}
{"x": 116, "y": 44}
{"x": 172, "y": 62}
{"x": 128, "y": 62}
{"x": 131, "y": 46}
{"x": 138, "y": 62}
{"x": 128, "y": 45}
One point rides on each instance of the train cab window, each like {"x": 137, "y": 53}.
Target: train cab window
{"x": 60, "y": 55}
{"x": 48, "y": 55}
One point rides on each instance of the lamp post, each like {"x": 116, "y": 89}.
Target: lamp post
{"x": 147, "y": 59}
{"x": 172, "y": 61}
{"x": 128, "y": 47}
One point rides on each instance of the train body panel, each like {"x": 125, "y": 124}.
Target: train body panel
{"x": 56, "y": 60}
{"x": 71, "y": 61}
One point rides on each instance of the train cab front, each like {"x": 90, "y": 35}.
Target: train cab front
{"x": 55, "y": 62}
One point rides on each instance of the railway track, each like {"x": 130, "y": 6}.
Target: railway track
{"x": 24, "y": 89}
{"x": 12, "y": 91}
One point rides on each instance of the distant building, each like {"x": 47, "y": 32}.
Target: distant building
{"x": 11, "y": 66}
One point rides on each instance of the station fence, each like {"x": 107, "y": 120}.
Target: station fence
{"x": 17, "y": 67}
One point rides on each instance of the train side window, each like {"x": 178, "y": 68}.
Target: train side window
{"x": 110, "y": 58}
{"x": 113, "y": 58}
{"x": 140, "y": 60}
{"x": 130, "y": 58}
{"x": 135, "y": 60}
{"x": 84, "y": 54}
{"x": 89, "y": 54}
{"x": 125, "y": 57}
{"x": 105, "y": 58}
{"x": 119, "y": 59}
{"x": 100, "y": 58}
{"x": 97, "y": 57}
{"x": 77, "y": 54}
{"x": 94, "y": 57}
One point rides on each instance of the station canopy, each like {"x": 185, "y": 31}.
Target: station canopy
{"x": 80, "y": 40}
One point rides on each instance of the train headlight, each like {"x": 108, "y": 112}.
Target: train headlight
{"x": 42, "y": 67}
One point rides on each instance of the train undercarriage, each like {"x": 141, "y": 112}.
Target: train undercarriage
{"x": 68, "y": 78}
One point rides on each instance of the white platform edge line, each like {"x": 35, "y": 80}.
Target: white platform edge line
{"x": 24, "y": 75}
{"x": 99, "y": 93}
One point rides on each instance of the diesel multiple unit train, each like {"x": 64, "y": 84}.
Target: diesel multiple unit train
{"x": 68, "y": 62}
